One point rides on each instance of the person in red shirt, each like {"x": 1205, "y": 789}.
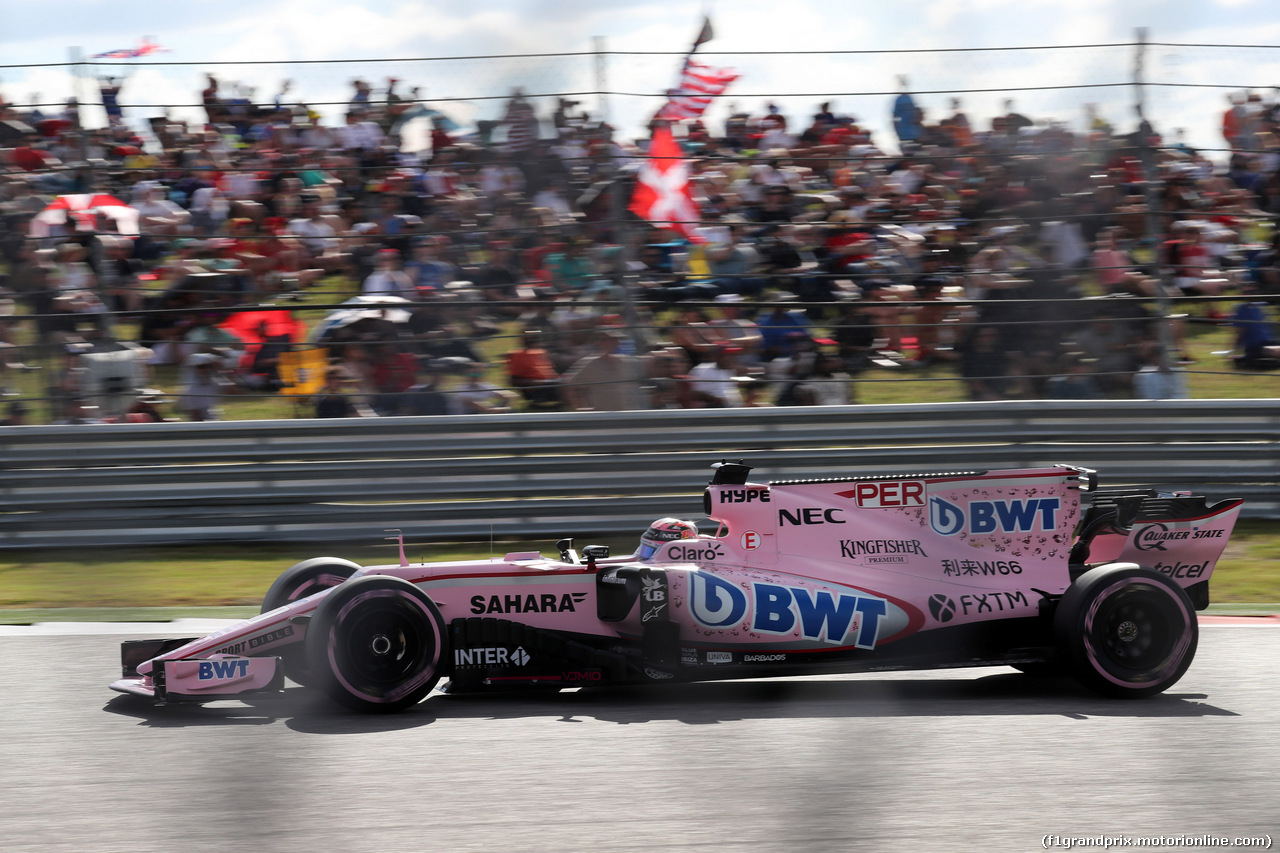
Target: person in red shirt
{"x": 392, "y": 372}
{"x": 531, "y": 372}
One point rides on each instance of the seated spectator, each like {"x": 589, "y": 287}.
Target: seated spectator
{"x": 1076, "y": 382}
{"x": 205, "y": 385}
{"x": 609, "y": 380}
{"x": 532, "y": 373}
{"x": 668, "y": 373}
{"x": 1255, "y": 343}
{"x": 392, "y": 372}
{"x": 1156, "y": 379}
{"x": 984, "y": 366}
{"x": 388, "y": 279}
{"x": 714, "y": 382}
{"x": 334, "y": 400}
{"x": 428, "y": 270}
{"x": 474, "y": 396}
{"x": 778, "y": 327}
{"x": 425, "y": 397}
{"x": 826, "y": 385}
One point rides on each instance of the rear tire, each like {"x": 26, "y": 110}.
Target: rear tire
{"x": 1126, "y": 631}
{"x": 377, "y": 644}
{"x": 295, "y": 583}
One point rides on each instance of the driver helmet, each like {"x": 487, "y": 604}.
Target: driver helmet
{"x": 662, "y": 531}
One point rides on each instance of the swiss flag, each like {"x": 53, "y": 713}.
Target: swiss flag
{"x": 662, "y": 190}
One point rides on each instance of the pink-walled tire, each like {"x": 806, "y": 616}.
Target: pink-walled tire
{"x": 297, "y": 582}
{"x": 307, "y": 578}
{"x": 1126, "y": 631}
{"x": 377, "y": 644}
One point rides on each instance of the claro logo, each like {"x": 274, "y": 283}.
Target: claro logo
{"x": 694, "y": 553}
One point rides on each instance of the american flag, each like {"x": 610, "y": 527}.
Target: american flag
{"x": 699, "y": 86}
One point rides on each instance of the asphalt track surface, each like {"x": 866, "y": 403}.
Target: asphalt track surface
{"x": 983, "y": 759}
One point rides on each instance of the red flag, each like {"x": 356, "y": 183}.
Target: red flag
{"x": 662, "y": 190}
{"x": 699, "y": 86}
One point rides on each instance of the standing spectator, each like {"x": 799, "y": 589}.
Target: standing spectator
{"x": 906, "y": 115}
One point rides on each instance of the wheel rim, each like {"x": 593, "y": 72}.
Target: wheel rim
{"x": 383, "y": 646}
{"x": 1136, "y": 633}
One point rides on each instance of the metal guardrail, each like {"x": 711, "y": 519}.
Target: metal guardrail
{"x": 556, "y": 474}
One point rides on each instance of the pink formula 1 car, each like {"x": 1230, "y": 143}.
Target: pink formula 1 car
{"x": 902, "y": 571}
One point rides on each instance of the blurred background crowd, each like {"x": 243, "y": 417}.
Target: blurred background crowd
{"x": 500, "y": 270}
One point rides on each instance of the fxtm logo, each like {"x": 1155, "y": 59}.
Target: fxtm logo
{"x": 1012, "y": 516}
{"x": 820, "y": 614}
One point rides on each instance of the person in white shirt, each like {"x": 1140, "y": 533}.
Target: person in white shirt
{"x": 388, "y": 279}
{"x": 715, "y": 382}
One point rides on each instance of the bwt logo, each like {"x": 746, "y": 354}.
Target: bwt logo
{"x": 820, "y": 614}
{"x": 994, "y": 516}
{"x": 217, "y": 669}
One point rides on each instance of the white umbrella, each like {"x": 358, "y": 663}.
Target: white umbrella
{"x": 385, "y": 308}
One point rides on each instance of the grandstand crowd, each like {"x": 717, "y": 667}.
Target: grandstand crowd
{"x": 500, "y": 269}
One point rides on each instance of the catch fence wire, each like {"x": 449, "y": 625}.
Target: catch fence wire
{"x": 1186, "y": 85}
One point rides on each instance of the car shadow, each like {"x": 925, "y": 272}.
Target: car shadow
{"x": 702, "y": 703}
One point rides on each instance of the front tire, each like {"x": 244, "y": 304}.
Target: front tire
{"x": 1126, "y": 631}
{"x": 295, "y": 583}
{"x": 377, "y": 644}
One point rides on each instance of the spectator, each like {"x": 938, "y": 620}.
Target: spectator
{"x": 475, "y": 396}
{"x": 335, "y": 399}
{"x": 425, "y": 397}
{"x": 392, "y": 372}
{"x": 388, "y": 279}
{"x": 1155, "y": 379}
{"x": 826, "y": 385}
{"x": 714, "y": 382}
{"x": 531, "y": 372}
{"x": 1255, "y": 344}
{"x": 984, "y": 366}
{"x": 205, "y": 385}
{"x": 608, "y": 381}
{"x": 18, "y": 412}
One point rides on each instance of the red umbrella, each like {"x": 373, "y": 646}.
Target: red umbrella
{"x": 254, "y": 327}
{"x": 84, "y": 209}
